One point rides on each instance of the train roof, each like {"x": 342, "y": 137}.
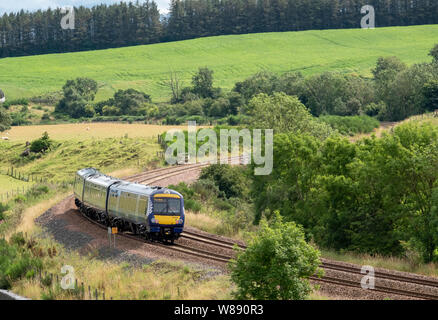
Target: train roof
{"x": 136, "y": 188}
{"x": 102, "y": 180}
{"x": 84, "y": 173}
{"x": 94, "y": 176}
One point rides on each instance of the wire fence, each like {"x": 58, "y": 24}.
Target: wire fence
{"x": 30, "y": 180}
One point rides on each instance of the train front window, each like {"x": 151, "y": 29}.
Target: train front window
{"x": 167, "y": 206}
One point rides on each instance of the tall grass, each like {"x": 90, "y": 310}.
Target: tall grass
{"x": 392, "y": 263}
{"x": 159, "y": 280}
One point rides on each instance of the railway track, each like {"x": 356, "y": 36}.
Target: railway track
{"x": 156, "y": 175}
{"x": 347, "y": 269}
{"x": 165, "y": 173}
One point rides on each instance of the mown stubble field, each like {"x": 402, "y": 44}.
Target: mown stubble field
{"x": 85, "y": 131}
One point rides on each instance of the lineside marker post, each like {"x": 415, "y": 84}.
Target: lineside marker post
{"x": 114, "y": 232}
{"x": 109, "y": 235}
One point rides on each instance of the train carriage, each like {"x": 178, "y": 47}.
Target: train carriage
{"x": 153, "y": 212}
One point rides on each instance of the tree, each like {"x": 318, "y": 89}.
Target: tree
{"x": 5, "y": 120}
{"x": 203, "y": 83}
{"x": 276, "y": 265}
{"x": 384, "y": 73}
{"x": 405, "y": 95}
{"x": 335, "y": 93}
{"x": 175, "y": 86}
{"x": 78, "y": 94}
{"x": 434, "y": 53}
{"x": 229, "y": 180}
{"x": 261, "y": 82}
{"x": 131, "y": 101}
{"x": 284, "y": 113}
{"x": 430, "y": 92}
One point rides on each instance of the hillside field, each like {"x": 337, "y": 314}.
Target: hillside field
{"x": 233, "y": 58}
{"x": 87, "y": 131}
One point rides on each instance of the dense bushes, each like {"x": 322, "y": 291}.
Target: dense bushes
{"x": 336, "y": 94}
{"x": 16, "y": 102}
{"x": 78, "y": 95}
{"x": 225, "y": 189}
{"x": 351, "y": 125}
{"x": 16, "y": 260}
{"x": 41, "y": 145}
{"x": 375, "y": 196}
{"x": 231, "y": 181}
{"x": 5, "y": 119}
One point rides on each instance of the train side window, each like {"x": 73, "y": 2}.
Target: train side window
{"x": 142, "y": 205}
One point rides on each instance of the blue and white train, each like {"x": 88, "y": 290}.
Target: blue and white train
{"x": 153, "y": 212}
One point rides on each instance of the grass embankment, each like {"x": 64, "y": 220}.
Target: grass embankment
{"x": 120, "y": 157}
{"x": 66, "y": 157}
{"x": 9, "y": 184}
{"x": 23, "y": 259}
{"x": 233, "y": 58}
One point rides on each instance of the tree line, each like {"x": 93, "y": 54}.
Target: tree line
{"x": 377, "y": 196}
{"x": 127, "y": 24}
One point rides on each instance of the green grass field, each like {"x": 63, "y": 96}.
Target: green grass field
{"x": 233, "y": 58}
{"x": 9, "y": 184}
{"x": 68, "y": 156}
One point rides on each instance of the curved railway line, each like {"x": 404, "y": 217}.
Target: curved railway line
{"x": 156, "y": 175}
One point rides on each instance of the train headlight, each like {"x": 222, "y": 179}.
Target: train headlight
{"x": 180, "y": 221}
{"x": 154, "y": 221}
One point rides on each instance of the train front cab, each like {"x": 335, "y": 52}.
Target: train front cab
{"x": 166, "y": 216}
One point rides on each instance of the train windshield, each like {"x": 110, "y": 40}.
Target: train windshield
{"x": 167, "y": 206}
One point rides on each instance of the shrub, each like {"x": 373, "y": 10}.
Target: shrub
{"x": 3, "y": 208}
{"x": 192, "y": 205}
{"x": 232, "y": 181}
{"x": 18, "y": 239}
{"x": 38, "y": 190}
{"x": 41, "y": 145}
{"x": 205, "y": 189}
{"x": 45, "y": 117}
{"x": 276, "y": 265}
{"x": 15, "y": 261}
{"x": 16, "y": 102}
{"x": 5, "y": 120}
{"x": 20, "y": 199}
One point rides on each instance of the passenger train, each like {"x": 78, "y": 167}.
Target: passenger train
{"x": 155, "y": 213}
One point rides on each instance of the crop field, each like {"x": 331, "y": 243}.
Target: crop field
{"x": 86, "y": 131}
{"x": 232, "y": 58}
